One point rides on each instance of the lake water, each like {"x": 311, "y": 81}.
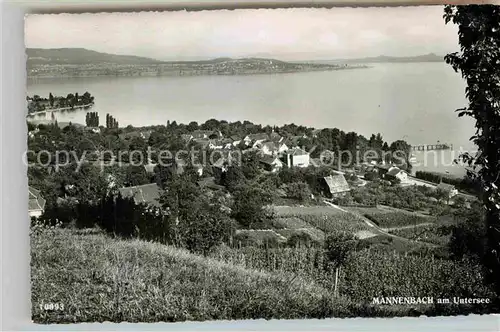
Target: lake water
{"x": 414, "y": 102}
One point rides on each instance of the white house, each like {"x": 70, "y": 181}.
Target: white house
{"x": 255, "y": 139}
{"x": 282, "y": 147}
{"x": 297, "y": 157}
{"x": 396, "y": 173}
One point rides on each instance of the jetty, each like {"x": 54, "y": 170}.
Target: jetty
{"x": 432, "y": 147}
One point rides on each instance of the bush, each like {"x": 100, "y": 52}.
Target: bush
{"x": 298, "y": 190}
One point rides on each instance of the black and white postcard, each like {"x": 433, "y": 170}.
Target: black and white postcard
{"x": 295, "y": 163}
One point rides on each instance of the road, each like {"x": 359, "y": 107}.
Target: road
{"x": 414, "y": 181}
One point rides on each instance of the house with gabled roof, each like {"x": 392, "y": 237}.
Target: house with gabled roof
{"x": 296, "y": 157}
{"x": 271, "y": 163}
{"x": 275, "y": 137}
{"x": 448, "y": 188}
{"x": 254, "y": 139}
{"x": 36, "y": 203}
{"x": 144, "y": 194}
{"x": 186, "y": 137}
{"x": 396, "y": 173}
{"x": 203, "y": 143}
{"x": 335, "y": 186}
{"x": 209, "y": 183}
{"x": 269, "y": 148}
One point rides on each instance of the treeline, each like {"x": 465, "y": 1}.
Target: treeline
{"x": 466, "y": 183}
{"x": 111, "y": 122}
{"x": 38, "y": 104}
{"x": 92, "y": 119}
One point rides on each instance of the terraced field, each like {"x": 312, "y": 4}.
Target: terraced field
{"x": 430, "y": 234}
{"x": 323, "y": 218}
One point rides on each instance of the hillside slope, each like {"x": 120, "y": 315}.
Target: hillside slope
{"x": 60, "y": 56}
{"x": 431, "y": 57}
{"x": 98, "y": 278}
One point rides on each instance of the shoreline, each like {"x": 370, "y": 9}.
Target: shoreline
{"x": 194, "y": 73}
{"x": 61, "y": 109}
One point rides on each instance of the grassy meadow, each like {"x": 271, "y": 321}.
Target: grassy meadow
{"x": 99, "y": 278}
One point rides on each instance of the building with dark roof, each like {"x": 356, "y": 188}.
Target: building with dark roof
{"x": 271, "y": 163}
{"x": 335, "y": 185}
{"x": 143, "y": 194}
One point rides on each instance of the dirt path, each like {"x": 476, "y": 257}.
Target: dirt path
{"x": 407, "y": 226}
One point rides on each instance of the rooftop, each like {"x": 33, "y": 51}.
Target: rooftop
{"x": 337, "y": 183}
{"x": 258, "y": 137}
{"x": 297, "y": 152}
{"x": 146, "y": 193}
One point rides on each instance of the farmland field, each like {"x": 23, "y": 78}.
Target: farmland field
{"x": 314, "y": 233}
{"x": 342, "y": 221}
{"x": 292, "y": 211}
{"x": 324, "y": 218}
{"x": 430, "y": 234}
{"x": 258, "y": 236}
{"x": 289, "y": 223}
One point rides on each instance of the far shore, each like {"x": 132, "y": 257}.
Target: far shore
{"x": 94, "y": 72}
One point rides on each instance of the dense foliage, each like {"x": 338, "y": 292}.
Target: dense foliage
{"x": 39, "y": 104}
{"x": 477, "y": 61}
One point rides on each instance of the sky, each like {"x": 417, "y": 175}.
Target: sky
{"x": 286, "y": 34}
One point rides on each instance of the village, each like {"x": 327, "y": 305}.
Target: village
{"x": 229, "y": 166}
{"x": 330, "y": 187}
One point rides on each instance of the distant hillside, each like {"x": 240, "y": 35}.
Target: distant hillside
{"x": 80, "y": 56}
{"x": 431, "y": 57}
{"x": 80, "y": 62}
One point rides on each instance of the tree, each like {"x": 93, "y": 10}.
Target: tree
{"x": 468, "y": 235}
{"x": 250, "y": 164}
{"x": 192, "y": 126}
{"x": 479, "y": 39}
{"x": 135, "y": 176}
{"x": 249, "y": 207}
{"x": 205, "y": 227}
{"x": 70, "y": 98}
{"x": 298, "y": 190}
{"x": 51, "y": 99}
{"x": 401, "y": 152}
{"x": 111, "y": 122}
{"x": 232, "y": 178}
{"x": 338, "y": 246}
